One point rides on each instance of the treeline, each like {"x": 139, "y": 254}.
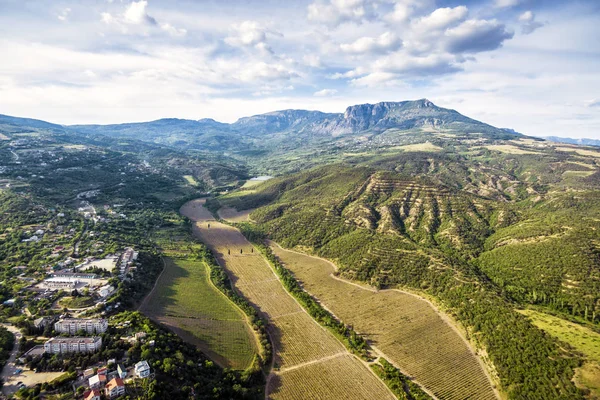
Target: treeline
{"x": 353, "y": 341}
{"x": 7, "y": 341}
{"x": 403, "y": 388}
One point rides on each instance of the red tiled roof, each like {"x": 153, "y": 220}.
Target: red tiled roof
{"x": 114, "y": 382}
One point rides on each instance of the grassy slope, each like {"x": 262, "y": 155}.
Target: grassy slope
{"x": 185, "y": 300}
{"x": 583, "y": 339}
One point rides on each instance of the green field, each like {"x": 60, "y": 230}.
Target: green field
{"x": 191, "y": 180}
{"x": 186, "y": 301}
{"x": 579, "y": 337}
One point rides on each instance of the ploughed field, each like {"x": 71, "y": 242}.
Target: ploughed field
{"x": 406, "y": 329}
{"x": 186, "y": 301}
{"x": 309, "y": 362}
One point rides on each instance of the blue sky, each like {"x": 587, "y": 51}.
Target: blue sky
{"x": 530, "y": 65}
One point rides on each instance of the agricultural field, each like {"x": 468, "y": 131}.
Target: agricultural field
{"x": 406, "y": 329}
{"x": 186, "y": 302}
{"x": 342, "y": 376}
{"x": 190, "y": 180}
{"x": 580, "y": 151}
{"x": 509, "y": 149}
{"x": 301, "y": 346}
{"x": 583, "y": 339}
{"x": 232, "y": 215}
{"x": 427, "y": 146}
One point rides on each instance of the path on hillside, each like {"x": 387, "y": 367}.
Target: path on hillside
{"x": 309, "y": 362}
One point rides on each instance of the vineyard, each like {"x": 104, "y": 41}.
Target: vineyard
{"x": 232, "y": 215}
{"x": 405, "y": 328}
{"x": 341, "y": 377}
{"x": 309, "y": 362}
{"x": 188, "y": 304}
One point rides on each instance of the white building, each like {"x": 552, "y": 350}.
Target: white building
{"x": 59, "y": 345}
{"x": 72, "y": 325}
{"x": 142, "y": 369}
{"x": 105, "y": 290}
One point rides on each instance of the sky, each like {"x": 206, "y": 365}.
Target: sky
{"x": 529, "y": 65}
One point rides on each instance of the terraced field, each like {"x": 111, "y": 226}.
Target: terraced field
{"x": 406, "y": 329}
{"x": 309, "y": 362}
{"x": 186, "y": 302}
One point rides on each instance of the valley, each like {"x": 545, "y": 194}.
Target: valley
{"x": 308, "y": 361}
{"x": 376, "y": 209}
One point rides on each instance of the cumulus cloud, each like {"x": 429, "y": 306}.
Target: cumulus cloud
{"x": 528, "y": 22}
{"x": 476, "y": 35}
{"x": 433, "y": 44}
{"x": 325, "y": 93}
{"x": 261, "y": 71}
{"x": 384, "y": 43}
{"x": 441, "y": 18}
{"x": 335, "y": 12}
{"x": 250, "y": 34}
{"x": 64, "y": 14}
{"x": 136, "y": 14}
{"x": 593, "y": 103}
{"x": 403, "y": 10}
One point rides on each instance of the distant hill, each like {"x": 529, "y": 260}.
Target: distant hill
{"x": 378, "y": 117}
{"x": 583, "y": 142}
{"x": 290, "y": 140}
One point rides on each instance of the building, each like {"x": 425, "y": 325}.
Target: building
{"x": 142, "y": 369}
{"x": 42, "y": 322}
{"x": 97, "y": 381}
{"x": 88, "y": 373}
{"x": 59, "y": 345}
{"x": 74, "y": 275}
{"x": 73, "y": 325}
{"x": 114, "y": 388}
{"x": 93, "y": 394}
{"x": 106, "y": 290}
{"x": 122, "y": 372}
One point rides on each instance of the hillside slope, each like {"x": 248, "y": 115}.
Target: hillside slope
{"x": 482, "y": 227}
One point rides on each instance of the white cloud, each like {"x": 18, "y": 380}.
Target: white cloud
{"x": 136, "y": 13}
{"x": 441, "y": 18}
{"x": 64, "y": 14}
{"x": 173, "y": 31}
{"x": 377, "y": 79}
{"x": 507, "y": 3}
{"x": 528, "y": 22}
{"x": 476, "y": 35}
{"x": 325, "y": 93}
{"x": 386, "y": 42}
{"x": 107, "y": 18}
{"x": 312, "y": 60}
{"x": 403, "y": 10}
{"x": 250, "y": 34}
{"x": 335, "y": 12}
{"x": 593, "y": 103}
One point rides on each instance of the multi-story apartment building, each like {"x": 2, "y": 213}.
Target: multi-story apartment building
{"x": 60, "y": 345}
{"x": 73, "y": 325}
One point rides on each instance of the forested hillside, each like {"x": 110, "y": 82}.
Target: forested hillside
{"x": 484, "y": 232}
